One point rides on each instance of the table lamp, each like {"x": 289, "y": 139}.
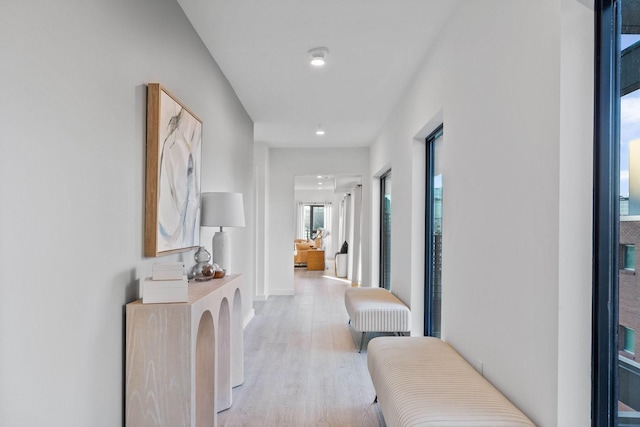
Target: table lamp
{"x": 222, "y": 210}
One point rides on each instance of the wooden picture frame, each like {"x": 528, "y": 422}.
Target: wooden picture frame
{"x": 172, "y": 190}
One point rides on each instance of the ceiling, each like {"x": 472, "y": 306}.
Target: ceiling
{"x": 375, "y": 49}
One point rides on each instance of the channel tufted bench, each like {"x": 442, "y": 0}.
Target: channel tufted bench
{"x": 423, "y": 381}
{"x": 376, "y": 310}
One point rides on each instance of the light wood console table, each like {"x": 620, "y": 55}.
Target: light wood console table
{"x": 182, "y": 359}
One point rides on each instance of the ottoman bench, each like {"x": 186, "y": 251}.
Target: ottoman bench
{"x": 423, "y": 381}
{"x": 376, "y": 310}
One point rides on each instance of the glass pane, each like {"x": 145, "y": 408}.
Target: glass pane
{"x": 629, "y": 225}
{"x": 318, "y": 218}
{"x": 437, "y": 237}
{"x": 385, "y": 232}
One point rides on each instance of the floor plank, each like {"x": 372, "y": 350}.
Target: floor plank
{"x": 302, "y": 367}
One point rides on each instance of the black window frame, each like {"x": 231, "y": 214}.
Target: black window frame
{"x": 429, "y": 243}
{"x": 383, "y": 240}
{"x": 606, "y": 213}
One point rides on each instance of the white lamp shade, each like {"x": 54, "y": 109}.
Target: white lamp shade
{"x": 222, "y": 210}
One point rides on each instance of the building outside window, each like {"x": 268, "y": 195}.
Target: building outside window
{"x": 629, "y": 208}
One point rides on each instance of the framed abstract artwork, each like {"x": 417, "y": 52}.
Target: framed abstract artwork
{"x": 174, "y": 158}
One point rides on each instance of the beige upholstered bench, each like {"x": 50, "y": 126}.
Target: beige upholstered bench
{"x": 423, "y": 381}
{"x": 376, "y": 310}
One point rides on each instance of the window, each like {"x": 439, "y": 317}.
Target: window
{"x": 385, "y": 230}
{"x": 313, "y": 220}
{"x": 616, "y": 373}
{"x": 628, "y": 340}
{"x": 629, "y": 257}
{"x": 433, "y": 237}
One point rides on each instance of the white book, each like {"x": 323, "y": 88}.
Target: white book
{"x": 167, "y": 271}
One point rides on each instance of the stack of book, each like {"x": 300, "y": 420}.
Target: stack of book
{"x": 166, "y": 284}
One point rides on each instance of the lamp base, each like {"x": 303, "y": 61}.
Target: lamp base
{"x": 221, "y": 253}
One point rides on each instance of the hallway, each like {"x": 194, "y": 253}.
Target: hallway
{"x": 301, "y": 364}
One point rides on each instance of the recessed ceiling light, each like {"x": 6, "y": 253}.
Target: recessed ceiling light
{"x": 318, "y": 56}
{"x": 319, "y": 183}
{"x": 319, "y": 132}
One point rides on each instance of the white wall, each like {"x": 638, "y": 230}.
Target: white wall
{"x": 575, "y": 250}
{"x": 72, "y": 131}
{"x": 284, "y": 165}
{"x": 512, "y": 81}
{"x": 262, "y": 219}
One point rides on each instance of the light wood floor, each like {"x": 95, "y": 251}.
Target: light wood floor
{"x": 302, "y": 367}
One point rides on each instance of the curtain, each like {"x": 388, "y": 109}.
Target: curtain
{"x": 300, "y": 220}
{"x": 326, "y": 233}
{"x": 341, "y": 222}
{"x": 357, "y": 233}
{"x": 348, "y": 220}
